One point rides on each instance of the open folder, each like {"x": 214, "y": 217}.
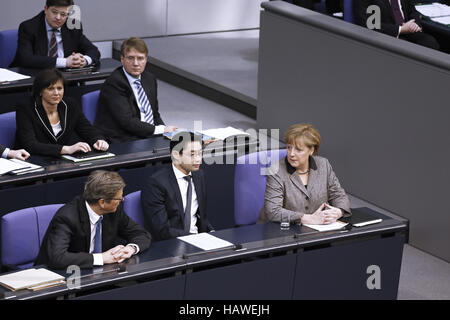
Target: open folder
{"x": 33, "y": 279}
{"x": 17, "y": 167}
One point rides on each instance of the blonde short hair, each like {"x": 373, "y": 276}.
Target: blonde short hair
{"x": 307, "y": 133}
{"x": 133, "y": 43}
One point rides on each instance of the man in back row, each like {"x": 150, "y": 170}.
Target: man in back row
{"x": 46, "y": 41}
{"x": 128, "y": 104}
{"x": 398, "y": 19}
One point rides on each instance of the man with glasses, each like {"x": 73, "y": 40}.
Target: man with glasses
{"x": 174, "y": 198}
{"x": 46, "y": 41}
{"x": 128, "y": 104}
{"x": 93, "y": 229}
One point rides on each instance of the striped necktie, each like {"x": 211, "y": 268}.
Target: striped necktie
{"x": 145, "y": 104}
{"x": 53, "y": 47}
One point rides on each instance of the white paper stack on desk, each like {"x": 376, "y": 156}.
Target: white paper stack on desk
{"x": 9, "y": 76}
{"x": 32, "y": 279}
{"x": 224, "y": 133}
{"x": 17, "y": 167}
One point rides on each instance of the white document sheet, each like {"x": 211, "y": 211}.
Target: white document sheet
{"x": 10, "y": 165}
{"x": 30, "y": 278}
{"x": 223, "y": 133}
{"x": 443, "y": 20}
{"x": 327, "y": 227}
{"x": 8, "y": 76}
{"x": 433, "y": 10}
{"x": 205, "y": 241}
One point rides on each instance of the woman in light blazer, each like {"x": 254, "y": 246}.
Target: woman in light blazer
{"x": 303, "y": 185}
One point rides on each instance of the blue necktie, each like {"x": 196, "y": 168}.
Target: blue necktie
{"x": 98, "y": 237}
{"x": 145, "y": 104}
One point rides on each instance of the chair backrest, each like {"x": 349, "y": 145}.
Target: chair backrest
{"x": 7, "y": 129}
{"x": 133, "y": 208}
{"x": 89, "y": 103}
{"x": 22, "y": 234}
{"x": 8, "y": 46}
{"x": 348, "y": 11}
{"x": 250, "y": 184}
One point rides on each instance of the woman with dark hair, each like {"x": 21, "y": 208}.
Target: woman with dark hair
{"x": 50, "y": 125}
{"x": 303, "y": 185}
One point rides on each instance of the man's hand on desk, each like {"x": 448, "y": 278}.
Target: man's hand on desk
{"x": 410, "y": 27}
{"x": 76, "y": 60}
{"x": 118, "y": 254}
{"x": 168, "y": 129}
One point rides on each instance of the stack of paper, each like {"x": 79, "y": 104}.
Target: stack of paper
{"x": 8, "y": 76}
{"x": 443, "y": 20}
{"x": 27, "y": 167}
{"x": 433, "y": 10}
{"x": 224, "y": 133}
{"x": 206, "y": 241}
{"x": 33, "y": 279}
{"x": 327, "y": 227}
{"x": 17, "y": 167}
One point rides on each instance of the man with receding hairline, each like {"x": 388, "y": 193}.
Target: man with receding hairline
{"x": 128, "y": 104}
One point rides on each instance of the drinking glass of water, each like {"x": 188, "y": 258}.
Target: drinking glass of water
{"x": 285, "y": 221}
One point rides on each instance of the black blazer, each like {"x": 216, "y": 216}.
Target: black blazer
{"x": 2, "y": 149}
{"x": 32, "y": 48}
{"x": 163, "y": 207}
{"x": 34, "y": 132}
{"x": 118, "y": 114}
{"x": 388, "y": 24}
{"x": 68, "y": 236}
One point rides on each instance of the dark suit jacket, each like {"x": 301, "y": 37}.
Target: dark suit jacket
{"x": 68, "y": 236}
{"x": 34, "y": 132}
{"x": 2, "y": 149}
{"x": 118, "y": 114}
{"x": 163, "y": 207}
{"x": 388, "y": 24}
{"x": 32, "y": 49}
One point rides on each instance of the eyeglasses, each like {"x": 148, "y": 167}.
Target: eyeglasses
{"x": 132, "y": 59}
{"x": 62, "y": 13}
{"x": 118, "y": 199}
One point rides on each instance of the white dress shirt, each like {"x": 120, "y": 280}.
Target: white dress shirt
{"x": 93, "y": 218}
{"x": 158, "y": 129}
{"x": 5, "y": 153}
{"x": 61, "y": 62}
{"x": 183, "y": 185}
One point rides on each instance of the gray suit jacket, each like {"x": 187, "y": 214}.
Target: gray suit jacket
{"x": 285, "y": 192}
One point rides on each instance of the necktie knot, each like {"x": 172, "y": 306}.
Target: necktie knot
{"x": 188, "y": 178}
{"x": 138, "y": 83}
